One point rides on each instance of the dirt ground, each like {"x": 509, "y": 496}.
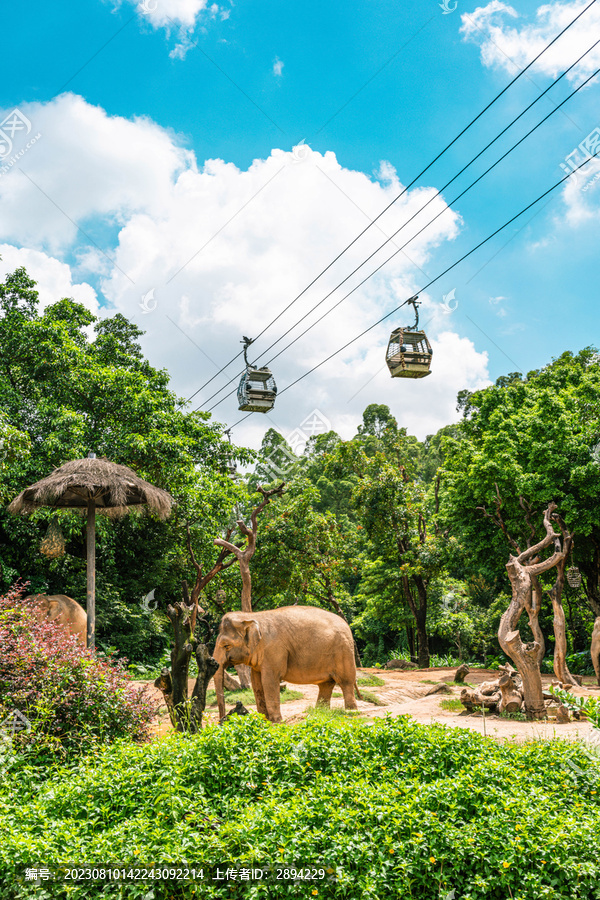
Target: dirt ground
{"x": 405, "y": 692}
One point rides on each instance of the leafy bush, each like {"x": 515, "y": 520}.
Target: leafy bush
{"x": 72, "y": 699}
{"x": 396, "y": 808}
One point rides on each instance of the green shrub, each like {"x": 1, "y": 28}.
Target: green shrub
{"x": 397, "y": 809}
{"x": 72, "y": 699}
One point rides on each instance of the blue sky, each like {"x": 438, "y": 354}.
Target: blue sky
{"x": 131, "y": 103}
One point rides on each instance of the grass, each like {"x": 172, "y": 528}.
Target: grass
{"x": 248, "y": 696}
{"x": 371, "y": 698}
{"x": 517, "y": 716}
{"x": 428, "y": 681}
{"x": 370, "y": 681}
{"x": 323, "y": 714}
{"x": 453, "y": 705}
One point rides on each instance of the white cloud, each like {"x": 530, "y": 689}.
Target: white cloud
{"x": 277, "y": 66}
{"x": 510, "y": 47}
{"x": 85, "y": 164}
{"x": 225, "y": 249}
{"x": 581, "y": 195}
{"x": 54, "y": 278}
{"x": 169, "y": 13}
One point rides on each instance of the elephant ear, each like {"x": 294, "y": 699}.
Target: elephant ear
{"x": 53, "y": 609}
{"x": 251, "y": 631}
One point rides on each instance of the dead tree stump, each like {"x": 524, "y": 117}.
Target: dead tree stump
{"x": 461, "y": 673}
{"x": 511, "y": 699}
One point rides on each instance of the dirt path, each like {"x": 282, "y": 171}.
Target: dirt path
{"x": 404, "y": 693}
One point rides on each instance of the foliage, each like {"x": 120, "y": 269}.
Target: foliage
{"x": 63, "y": 393}
{"x": 395, "y": 808}
{"x": 590, "y": 706}
{"x": 533, "y": 437}
{"x": 72, "y": 699}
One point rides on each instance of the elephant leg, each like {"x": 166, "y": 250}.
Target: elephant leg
{"x": 325, "y": 692}
{"x": 270, "y": 686}
{"x": 348, "y": 692}
{"x": 258, "y": 692}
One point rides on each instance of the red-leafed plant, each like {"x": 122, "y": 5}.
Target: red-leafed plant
{"x": 72, "y": 699}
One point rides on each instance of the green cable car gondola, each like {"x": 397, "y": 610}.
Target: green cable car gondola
{"x": 409, "y": 352}
{"x": 257, "y": 389}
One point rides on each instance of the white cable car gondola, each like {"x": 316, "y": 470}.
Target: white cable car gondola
{"x": 409, "y": 352}
{"x": 257, "y": 389}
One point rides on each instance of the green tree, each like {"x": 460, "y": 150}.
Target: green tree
{"x": 523, "y": 443}
{"x": 63, "y": 394}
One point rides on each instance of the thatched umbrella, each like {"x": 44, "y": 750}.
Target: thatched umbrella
{"x": 92, "y": 484}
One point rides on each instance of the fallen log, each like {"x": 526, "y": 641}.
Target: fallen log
{"x": 473, "y": 699}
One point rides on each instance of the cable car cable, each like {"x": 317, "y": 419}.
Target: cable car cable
{"x": 448, "y": 205}
{"x": 401, "y": 194}
{"x": 454, "y": 200}
{"x": 437, "y": 278}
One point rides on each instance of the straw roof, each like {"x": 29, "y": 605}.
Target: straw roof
{"x": 114, "y": 489}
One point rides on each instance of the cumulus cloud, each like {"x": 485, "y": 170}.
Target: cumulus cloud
{"x": 222, "y": 250}
{"x": 581, "y": 195}
{"x": 511, "y": 45}
{"x": 169, "y": 13}
{"x": 54, "y": 278}
{"x": 85, "y": 164}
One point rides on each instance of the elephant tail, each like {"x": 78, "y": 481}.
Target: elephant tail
{"x": 357, "y": 692}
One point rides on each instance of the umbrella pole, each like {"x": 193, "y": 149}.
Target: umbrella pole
{"x": 91, "y": 575}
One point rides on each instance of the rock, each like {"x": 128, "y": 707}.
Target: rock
{"x": 438, "y": 689}
{"x": 238, "y": 710}
{"x": 562, "y": 715}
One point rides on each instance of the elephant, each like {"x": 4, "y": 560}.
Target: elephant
{"x": 63, "y": 610}
{"x": 300, "y": 644}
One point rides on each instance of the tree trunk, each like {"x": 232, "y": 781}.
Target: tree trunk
{"x": 526, "y": 595}
{"x": 185, "y": 714}
{"x": 230, "y": 683}
{"x": 410, "y": 637}
{"x": 243, "y": 557}
{"x": 595, "y": 649}
{"x": 561, "y": 670}
{"x": 420, "y": 616}
{"x": 207, "y": 666}
{"x": 90, "y": 603}
{"x": 524, "y": 656}
{"x": 338, "y": 609}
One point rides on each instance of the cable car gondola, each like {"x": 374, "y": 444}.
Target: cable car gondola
{"x": 409, "y": 352}
{"x": 257, "y": 389}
